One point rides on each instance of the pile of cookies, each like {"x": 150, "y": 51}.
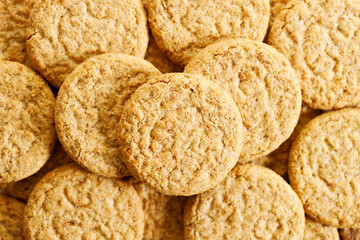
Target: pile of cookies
{"x": 180, "y": 119}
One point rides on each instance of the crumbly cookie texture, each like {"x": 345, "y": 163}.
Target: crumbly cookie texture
{"x": 315, "y": 230}
{"x": 180, "y": 133}
{"x": 350, "y": 234}
{"x": 27, "y": 131}
{"x": 71, "y": 203}
{"x": 159, "y": 59}
{"x": 252, "y": 202}
{"x": 278, "y": 160}
{"x": 13, "y": 17}
{"x": 263, "y": 85}
{"x": 322, "y": 41}
{"x": 64, "y": 33}
{"x": 323, "y": 168}
{"x": 11, "y": 218}
{"x": 22, "y": 189}
{"x": 163, "y": 214}
{"x": 276, "y": 6}
{"x": 89, "y": 106}
{"x": 182, "y": 28}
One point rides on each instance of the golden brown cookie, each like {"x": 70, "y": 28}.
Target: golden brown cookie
{"x": 64, "y": 33}
{"x": 276, "y": 6}
{"x": 160, "y": 60}
{"x": 324, "y": 166}
{"x": 252, "y": 202}
{"x": 315, "y": 230}
{"x": 11, "y": 218}
{"x": 27, "y": 131}
{"x": 71, "y": 203}
{"x": 22, "y": 189}
{"x": 180, "y": 133}
{"x": 278, "y": 160}
{"x": 89, "y": 106}
{"x": 182, "y": 28}
{"x": 350, "y": 234}
{"x": 263, "y": 85}
{"x": 163, "y": 215}
{"x": 13, "y": 17}
{"x": 321, "y": 39}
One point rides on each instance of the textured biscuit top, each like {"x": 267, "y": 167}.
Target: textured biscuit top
{"x": 160, "y": 60}
{"x": 22, "y": 189}
{"x": 182, "y": 28}
{"x": 321, "y": 38}
{"x": 318, "y": 231}
{"x": 11, "y": 218}
{"x": 64, "y": 33}
{"x": 71, "y": 203}
{"x": 163, "y": 214}
{"x": 324, "y": 166}
{"x": 89, "y": 106}
{"x": 251, "y": 203}
{"x": 180, "y": 133}
{"x": 276, "y": 6}
{"x": 262, "y": 83}
{"x": 278, "y": 160}
{"x": 13, "y": 17}
{"x": 27, "y": 131}
{"x": 350, "y": 234}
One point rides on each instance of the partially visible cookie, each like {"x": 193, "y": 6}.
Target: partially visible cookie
{"x": 263, "y": 85}
{"x": 22, "y": 189}
{"x": 163, "y": 214}
{"x": 13, "y": 17}
{"x": 315, "y": 230}
{"x": 27, "y": 131}
{"x": 160, "y": 60}
{"x": 321, "y": 39}
{"x": 252, "y": 202}
{"x": 278, "y": 160}
{"x": 324, "y": 166}
{"x": 11, "y": 218}
{"x": 182, "y": 28}
{"x": 71, "y": 203}
{"x": 89, "y": 106}
{"x": 180, "y": 133}
{"x": 64, "y": 33}
{"x": 350, "y": 234}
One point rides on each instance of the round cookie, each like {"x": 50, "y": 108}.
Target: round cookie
{"x": 182, "y": 28}
{"x": 89, "y": 106}
{"x": 71, "y": 203}
{"x": 22, "y": 189}
{"x": 163, "y": 214}
{"x": 263, "y": 85}
{"x": 27, "y": 131}
{"x": 350, "y": 234}
{"x": 315, "y": 230}
{"x": 252, "y": 202}
{"x": 13, "y": 16}
{"x": 321, "y": 39}
{"x": 64, "y": 33}
{"x": 278, "y": 160}
{"x": 324, "y": 163}
{"x": 160, "y": 60}
{"x": 180, "y": 133}
{"x": 11, "y": 215}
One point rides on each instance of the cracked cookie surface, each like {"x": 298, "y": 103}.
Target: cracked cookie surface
{"x": 89, "y": 106}
{"x": 321, "y": 38}
{"x": 324, "y": 163}
{"x": 27, "y": 131}
{"x": 64, "y": 33}
{"x": 251, "y": 203}
{"x": 71, "y": 203}
{"x": 180, "y": 133}
{"x": 11, "y": 218}
{"x": 182, "y": 28}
